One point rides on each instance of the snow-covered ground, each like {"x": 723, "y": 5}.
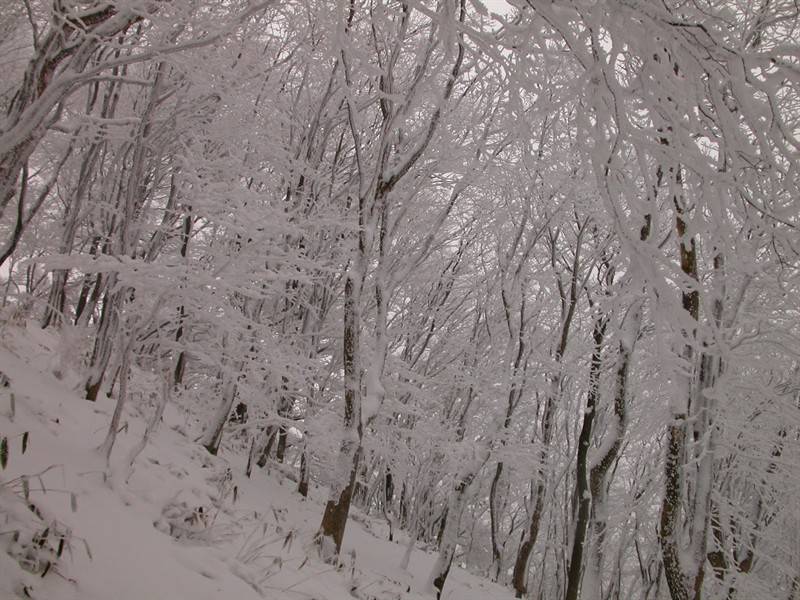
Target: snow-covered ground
{"x": 180, "y": 524}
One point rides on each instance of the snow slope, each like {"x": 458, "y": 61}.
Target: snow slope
{"x": 180, "y": 524}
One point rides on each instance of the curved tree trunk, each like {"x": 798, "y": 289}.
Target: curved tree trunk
{"x": 456, "y": 503}
{"x": 69, "y": 40}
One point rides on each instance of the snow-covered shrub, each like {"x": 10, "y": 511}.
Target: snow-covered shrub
{"x": 181, "y": 520}
{"x": 38, "y": 546}
{"x": 37, "y": 541}
{"x": 198, "y": 517}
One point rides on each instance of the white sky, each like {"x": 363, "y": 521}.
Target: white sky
{"x": 498, "y": 6}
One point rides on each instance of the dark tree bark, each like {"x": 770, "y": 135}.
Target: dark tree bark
{"x": 69, "y": 40}
{"x": 681, "y": 585}
{"x": 302, "y": 485}
{"x": 582, "y": 490}
{"x": 569, "y": 302}
{"x": 103, "y": 343}
{"x": 337, "y": 509}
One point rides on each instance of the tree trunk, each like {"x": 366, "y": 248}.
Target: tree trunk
{"x": 449, "y": 534}
{"x": 122, "y": 396}
{"x": 104, "y": 340}
{"x": 180, "y": 364}
{"x": 597, "y": 478}
{"x": 213, "y": 433}
{"x": 302, "y": 486}
{"x": 494, "y": 525}
{"x": 54, "y": 310}
{"x": 582, "y": 490}
{"x": 569, "y": 301}
{"x": 153, "y": 423}
{"x": 519, "y": 577}
{"x": 91, "y": 289}
{"x": 337, "y": 509}
{"x": 42, "y": 89}
{"x": 680, "y": 584}
{"x": 514, "y": 393}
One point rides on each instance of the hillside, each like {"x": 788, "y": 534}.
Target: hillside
{"x": 179, "y": 524}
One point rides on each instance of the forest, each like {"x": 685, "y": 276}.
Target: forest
{"x": 518, "y": 282}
